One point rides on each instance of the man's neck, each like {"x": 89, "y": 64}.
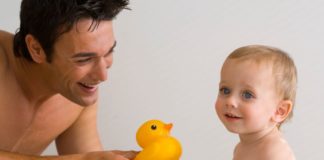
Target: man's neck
{"x": 32, "y": 81}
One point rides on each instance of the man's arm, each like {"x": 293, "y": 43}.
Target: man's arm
{"x": 16, "y": 156}
{"x": 88, "y": 156}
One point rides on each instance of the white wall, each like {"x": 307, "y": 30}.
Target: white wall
{"x": 167, "y": 63}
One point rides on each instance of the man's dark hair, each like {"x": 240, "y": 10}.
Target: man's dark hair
{"x": 46, "y": 20}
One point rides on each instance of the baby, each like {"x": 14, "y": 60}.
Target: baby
{"x": 257, "y": 91}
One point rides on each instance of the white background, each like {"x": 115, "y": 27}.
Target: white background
{"x": 167, "y": 62}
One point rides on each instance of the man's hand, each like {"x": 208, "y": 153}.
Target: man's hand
{"x": 127, "y": 154}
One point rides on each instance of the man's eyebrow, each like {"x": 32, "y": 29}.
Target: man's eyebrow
{"x": 112, "y": 48}
{"x": 84, "y": 54}
{"x": 92, "y": 54}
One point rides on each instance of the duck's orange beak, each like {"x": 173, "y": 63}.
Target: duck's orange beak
{"x": 168, "y": 126}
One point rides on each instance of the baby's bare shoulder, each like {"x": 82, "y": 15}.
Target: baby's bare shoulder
{"x": 277, "y": 150}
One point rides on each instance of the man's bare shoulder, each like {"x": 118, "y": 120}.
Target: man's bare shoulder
{"x": 5, "y": 47}
{"x": 64, "y": 106}
{"x": 5, "y": 39}
{"x": 59, "y": 100}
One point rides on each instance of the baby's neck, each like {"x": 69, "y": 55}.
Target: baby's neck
{"x": 259, "y": 137}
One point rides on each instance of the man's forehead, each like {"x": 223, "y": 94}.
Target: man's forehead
{"x": 85, "y": 29}
{"x": 89, "y": 25}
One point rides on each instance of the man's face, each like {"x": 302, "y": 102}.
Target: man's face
{"x": 80, "y": 59}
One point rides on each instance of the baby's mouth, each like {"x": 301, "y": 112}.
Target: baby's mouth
{"x": 232, "y": 116}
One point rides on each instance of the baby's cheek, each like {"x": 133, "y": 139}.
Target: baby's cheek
{"x": 218, "y": 106}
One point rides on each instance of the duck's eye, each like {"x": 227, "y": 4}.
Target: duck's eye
{"x": 153, "y": 127}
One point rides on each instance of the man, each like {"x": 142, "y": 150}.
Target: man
{"x": 50, "y": 71}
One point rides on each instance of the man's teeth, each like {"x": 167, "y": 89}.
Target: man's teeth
{"x": 89, "y": 85}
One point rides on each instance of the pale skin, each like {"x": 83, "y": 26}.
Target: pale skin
{"x": 42, "y": 102}
{"x": 249, "y": 105}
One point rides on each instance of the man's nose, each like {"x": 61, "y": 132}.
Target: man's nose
{"x": 101, "y": 70}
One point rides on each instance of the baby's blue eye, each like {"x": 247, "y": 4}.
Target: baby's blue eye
{"x": 225, "y": 91}
{"x": 247, "y": 95}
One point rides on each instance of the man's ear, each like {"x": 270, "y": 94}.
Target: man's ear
{"x": 35, "y": 49}
{"x": 282, "y": 111}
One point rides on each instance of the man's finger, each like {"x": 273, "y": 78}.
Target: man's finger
{"x": 126, "y": 154}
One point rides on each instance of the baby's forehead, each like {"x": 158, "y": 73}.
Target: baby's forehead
{"x": 256, "y": 58}
{"x": 247, "y": 69}
{"x": 261, "y": 63}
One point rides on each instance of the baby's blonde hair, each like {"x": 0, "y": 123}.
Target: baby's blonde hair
{"x": 283, "y": 67}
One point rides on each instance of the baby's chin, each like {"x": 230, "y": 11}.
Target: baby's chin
{"x": 232, "y": 130}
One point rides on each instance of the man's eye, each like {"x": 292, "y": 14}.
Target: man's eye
{"x": 224, "y": 91}
{"x": 83, "y": 60}
{"x": 247, "y": 95}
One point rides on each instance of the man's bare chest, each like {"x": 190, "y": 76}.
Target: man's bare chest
{"x": 27, "y": 130}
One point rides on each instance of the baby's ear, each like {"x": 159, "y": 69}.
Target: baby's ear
{"x": 35, "y": 49}
{"x": 282, "y": 111}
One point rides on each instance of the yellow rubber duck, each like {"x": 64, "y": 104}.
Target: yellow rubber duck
{"x": 157, "y": 144}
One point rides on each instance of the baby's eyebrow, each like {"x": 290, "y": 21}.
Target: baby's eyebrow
{"x": 222, "y": 82}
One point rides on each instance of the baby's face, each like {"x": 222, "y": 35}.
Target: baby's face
{"x": 247, "y": 98}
